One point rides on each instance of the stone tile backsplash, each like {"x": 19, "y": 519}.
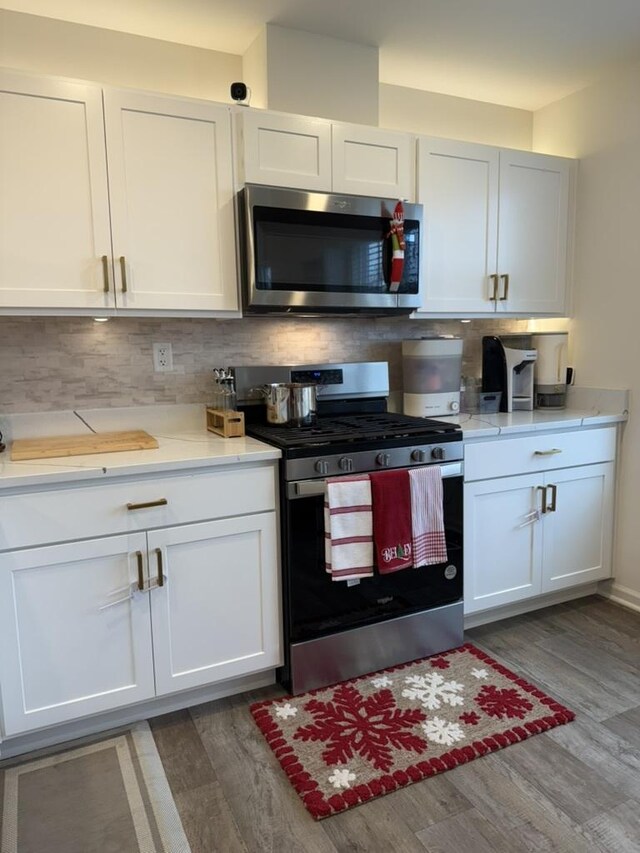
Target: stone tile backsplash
{"x": 54, "y": 363}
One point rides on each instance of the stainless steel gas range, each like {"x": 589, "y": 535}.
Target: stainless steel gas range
{"x": 338, "y": 630}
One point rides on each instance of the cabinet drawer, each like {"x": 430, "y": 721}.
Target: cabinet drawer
{"x": 533, "y": 453}
{"x": 37, "y": 518}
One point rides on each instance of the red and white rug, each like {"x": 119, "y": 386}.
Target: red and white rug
{"x": 343, "y": 745}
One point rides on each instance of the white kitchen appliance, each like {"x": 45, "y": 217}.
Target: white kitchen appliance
{"x": 550, "y": 374}
{"x": 507, "y": 366}
{"x": 431, "y": 370}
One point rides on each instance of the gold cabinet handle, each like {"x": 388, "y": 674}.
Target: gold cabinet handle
{"x": 105, "y": 273}
{"x": 543, "y": 489}
{"x": 554, "y": 495}
{"x": 140, "y": 571}
{"x": 494, "y": 280}
{"x": 160, "y": 572}
{"x": 148, "y": 504}
{"x": 505, "y": 295}
{"x": 552, "y": 452}
{"x": 123, "y": 273}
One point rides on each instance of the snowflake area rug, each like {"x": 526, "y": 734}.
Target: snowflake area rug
{"x": 349, "y": 743}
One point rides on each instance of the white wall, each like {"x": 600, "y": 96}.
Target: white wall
{"x": 317, "y": 75}
{"x": 47, "y": 46}
{"x": 601, "y": 126}
{"x": 433, "y": 114}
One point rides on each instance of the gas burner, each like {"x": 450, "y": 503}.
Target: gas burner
{"x": 353, "y": 429}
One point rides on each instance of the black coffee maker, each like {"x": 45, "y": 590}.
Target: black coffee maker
{"x": 507, "y": 366}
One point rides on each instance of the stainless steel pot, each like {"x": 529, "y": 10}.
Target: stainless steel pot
{"x": 290, "y": 403}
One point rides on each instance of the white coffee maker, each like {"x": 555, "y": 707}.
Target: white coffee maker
{"x": 507, "y": 366}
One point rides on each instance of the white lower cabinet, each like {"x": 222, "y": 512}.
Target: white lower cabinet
{"x": 502, "y": 553}
{"x": 65, "y": 654}
{"x": 577, "y": 535}
{"x": 93, "y": 625}
{"x": 535, "y": 533}
{"x": 216, "y": 614}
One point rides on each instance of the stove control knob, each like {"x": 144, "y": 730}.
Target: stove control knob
{"x": 383, "y": 459}
{"x": 437, "y": 453}
{"x": 346, "y": 463}
{"x": 322, "y": 467}
{"x": 418, "y": 455}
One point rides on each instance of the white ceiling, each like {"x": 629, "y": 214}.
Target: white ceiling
{"x": 521, "y": 53}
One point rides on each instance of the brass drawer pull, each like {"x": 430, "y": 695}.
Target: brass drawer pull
{"x": 148, "y": 504}
{"x": 123, "y": 273}
{"x": 105, "y": 273}
{"x": 160, "y": 573}
{"x": 543, "y": 489}
{"x": 505, "y": 278}
{"x": 140, "y": 571}
{"x": 494, "y": 280}
{"x": 552, "y": 452}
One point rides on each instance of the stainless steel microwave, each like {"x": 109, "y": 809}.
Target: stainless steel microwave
{"x": 319, "y": 253}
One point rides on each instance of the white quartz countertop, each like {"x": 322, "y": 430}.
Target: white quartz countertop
{"x": 184, "y": 443}
{"x": 483, "y": 426}
{"x": 586, "y": 407}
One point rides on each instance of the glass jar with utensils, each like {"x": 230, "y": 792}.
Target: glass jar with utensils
{"x": 223, "y": 396}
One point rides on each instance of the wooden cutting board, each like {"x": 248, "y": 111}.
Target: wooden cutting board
{"x": 79, "y": 445}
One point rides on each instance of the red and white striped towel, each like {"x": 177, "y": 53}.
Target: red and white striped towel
{"x": 427, "y": 524}
{"x": 348, "y": 528}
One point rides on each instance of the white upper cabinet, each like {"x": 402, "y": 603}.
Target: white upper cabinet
{"x": 533, "y": 232}
{"x": 156, "y": 235}
{"x": 54, "y": 208}
{"x": 458, "y": 186}
{"x": 285, "y": 151}
{"x": 496, "y": 229}
{"x": 369, "y": 161}
{"x": 314, "y": 154}
{"x": 171, "y": 182}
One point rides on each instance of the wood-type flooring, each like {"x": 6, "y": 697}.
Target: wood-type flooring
{"x": 575, "y": 788}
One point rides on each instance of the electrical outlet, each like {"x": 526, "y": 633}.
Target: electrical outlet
{"x": 162, "y": 358}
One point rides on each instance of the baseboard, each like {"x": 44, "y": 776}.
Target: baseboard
{"x": 620, "y": 595}
{"x": 474, "y": 620}
{"x": 83, "y": 728}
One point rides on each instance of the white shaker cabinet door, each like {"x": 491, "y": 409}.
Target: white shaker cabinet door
{"x": 171, "y": 183}
{"x": 373, "y": 162}
{"x": 216, "y": 615}
{"x": 458, "y": 186}
{"x": 73, "y": 642}
{"x": 55, "y": 243}
{"x": 533, "y": 232}
{"x": 503, "y": 548}
{"x": 285, "y": 151}
{"x": 578, "y": 529}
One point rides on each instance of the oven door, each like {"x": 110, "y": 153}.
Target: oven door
{"x": 315, "y": 252}
{"x": 316, "y": 606}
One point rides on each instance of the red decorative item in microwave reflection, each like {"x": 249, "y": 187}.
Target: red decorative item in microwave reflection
{"x": 396, "y": 234}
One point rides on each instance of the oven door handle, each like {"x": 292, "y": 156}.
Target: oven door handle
{"x": 313, "y": 488}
